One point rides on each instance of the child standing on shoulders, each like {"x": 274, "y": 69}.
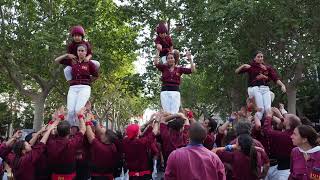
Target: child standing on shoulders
{"x": 78, "y": 33}
{"x": 163, "y": 42}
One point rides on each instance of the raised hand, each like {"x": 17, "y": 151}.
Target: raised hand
{"x": 189, "y": 55}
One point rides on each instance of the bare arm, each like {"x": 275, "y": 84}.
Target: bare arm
{"x": 82, "y": 126}
{"x": 46, "y": 135}
{"x": 224, "y": 127}
{"x": 90, "y": 134}
{"x": 58, "y": 59}
{"x": 13, "y": 139}
{"x": 244, "y": 66}
{"x": 36, "y": 136}
{"x": 156, "y": 60}
{"x": 283, "y": 87}
{"x": 193, "y": 66}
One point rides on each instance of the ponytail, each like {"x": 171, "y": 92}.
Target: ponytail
{"x": 253, "y": 161}
{"x": 247, "y": 147}
{"x": 17, "y": 149}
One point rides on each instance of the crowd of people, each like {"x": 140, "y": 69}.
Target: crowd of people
{"x": 257, "y": 142}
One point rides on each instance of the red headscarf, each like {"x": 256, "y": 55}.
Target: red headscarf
{"x": 132, "y": 131}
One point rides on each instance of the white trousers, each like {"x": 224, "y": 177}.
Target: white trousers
{"x": 170, "y": 101}
{"x": 262, "y": 97}
{"x": 275, "y": 174}
{"x": 67, "y": 70}
{"x": 78, "y": 96}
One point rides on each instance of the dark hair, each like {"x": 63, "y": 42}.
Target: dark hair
{"x": 294, "y": 121}
{"x": 29, "y": 137}
{"x": 309, "y": 133}
{"x": 243, "y": 127}
{"x": 112, "y": 137}
{"x": 256, "y": 53}
{"x": 63, "y": 128}
{"x": 247, "y": 147}
{"x": 119, "y": 134}
{"x": 231, "y": 135}
{"x": 82, "y": 45}
{"x": 17, "y": 149}
{"x": 306, "y": 121}
{"x": 176, "y": 56}
{"x": 176, "y": 124}
{"x": 212, "y": 124}
{"x": 197, "y": 133}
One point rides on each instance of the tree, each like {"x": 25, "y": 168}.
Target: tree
{"x": 33, "y": 33}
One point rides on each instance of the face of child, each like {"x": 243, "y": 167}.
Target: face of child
{"x": 170, "y": 60}
{"x": 77, "y": 38}
{"x": 259, "y": 58}
{"x": 82, "y": 52}
{"x": 162, "y": 35}
{"x": 296, "y": 138}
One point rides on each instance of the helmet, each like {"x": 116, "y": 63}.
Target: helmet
{"x": 161, "y": 28}
{"x": 77, "y": 30}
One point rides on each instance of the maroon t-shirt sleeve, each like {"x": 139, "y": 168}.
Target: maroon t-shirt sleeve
{"x": 35, "y": 153}
{"x": 171, "y": 169}
{"x": 243, "y": 70}
{"x": 169, "y": 41}
{"x": 89, "y": 48}
{"x": 273, "y": 74}
{"x": 183, "y": 70}
{"x": 157, "y": 40}
{"x": 67, "y": 62}
{"x": 264, "y": 157}
{"x": 70, "y": 48}
{"x": 4, "y": 150}
{"x": 93, "y": 70}
{"x": 161, "y": 67}
{"x": 226, "y": 156}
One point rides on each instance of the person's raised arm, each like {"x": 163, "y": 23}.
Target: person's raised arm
{"x": 17, "y": 135}
{"x": 189, "y": 57}
{"x": 242, "y": 67}
{"x": 65, "y": 56}
{"x": 82, "y": 127}
{"x": 89, "y": 133}
{"x": 156, "y": 59}
{"x": 46, "y": 135}
{"x": 283, "y": 87}
{"x": 36, "y": 136}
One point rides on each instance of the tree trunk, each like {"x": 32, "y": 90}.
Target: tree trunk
{"x": 38, "y": 111}
{"x": 292, "y": 99}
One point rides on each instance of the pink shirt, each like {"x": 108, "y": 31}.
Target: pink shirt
{"x": 194, "y": 162}
{"x": 304, "y": 170}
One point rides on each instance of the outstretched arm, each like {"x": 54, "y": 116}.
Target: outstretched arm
{"x": 242, "y": 67}
{"x": 283, "y": 87}
{"x": 189, "y": 57}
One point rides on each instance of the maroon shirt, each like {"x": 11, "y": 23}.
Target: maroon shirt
{"x": 241, "y": 163}
{"x": 194, "y": 162}
{"x": 72, "y": 47}
{"x": 81, "y": 72}
{"x": 300, "y": 169}
{"x": 166, "y": 44}
{"x": 136, "y": 152}
{"x": 25, "y": 166}
{"x": 209, "y": 141}
{"x": 255, "y": 70}
{"x": 255, "y": 143}
{"x": 62, "y": 153}
{"x": 103, "y": 157}
{"x": 280, "y": 144}
{"x": 172, "y": 78}
{"x": 172, "y": 140}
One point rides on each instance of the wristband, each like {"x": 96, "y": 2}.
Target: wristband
{"x": 228, "y": 147}
{"x": 50, "y": 122}
{"x": 61, "y": 117}
{"x": 282, "y": 120}
{"x": 80, "y": 116}
{"x": 94, "y": 122}
{"x": 231, "y": 119}
{"x": 89, "y": 123}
